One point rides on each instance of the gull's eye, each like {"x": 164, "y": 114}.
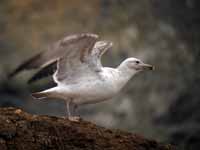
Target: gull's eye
{"x": 137, "y": 62}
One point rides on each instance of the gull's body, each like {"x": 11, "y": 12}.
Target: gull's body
{"x": 91, "y": 89}
{"x": 80, "y": 77}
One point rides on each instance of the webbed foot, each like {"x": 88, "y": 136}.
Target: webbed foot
{"x": 74, "y": 118}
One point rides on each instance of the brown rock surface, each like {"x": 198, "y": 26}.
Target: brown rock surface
{"x": 22, "y": 131}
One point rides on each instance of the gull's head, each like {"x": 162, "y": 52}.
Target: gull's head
{"x": 135, "y": 65}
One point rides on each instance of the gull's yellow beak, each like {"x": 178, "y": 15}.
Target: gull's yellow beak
{"x": 146, "y": 67}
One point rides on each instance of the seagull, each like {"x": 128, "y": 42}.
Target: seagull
{"x": 78, "y": 73}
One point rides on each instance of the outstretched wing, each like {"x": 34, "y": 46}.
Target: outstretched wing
{"x": 69, "y": 45}
{"x": 94, "y": 62}
{"x": 87, "y": 63}
{"x": 99, "y": 49}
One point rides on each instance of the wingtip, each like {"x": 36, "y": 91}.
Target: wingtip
{"x": 14, "y": 73}
{"x": 10, "y": 75}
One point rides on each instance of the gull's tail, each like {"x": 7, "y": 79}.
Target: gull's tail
{"x": 39, "y": 95}
{"x": 49, "y": 93}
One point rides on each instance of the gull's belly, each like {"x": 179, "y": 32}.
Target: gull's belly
{"x": 91, "y": 92}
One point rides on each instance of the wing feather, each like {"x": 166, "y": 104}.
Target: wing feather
{"x": 99, "y": 49}
{"x": 44, "y": 72}
{"x": 83, "y": 64}
{"x": 76, "y": 56}
{"x": 57, "y": 50}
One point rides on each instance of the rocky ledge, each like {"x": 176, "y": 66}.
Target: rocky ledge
{"x": 22, "y": 131}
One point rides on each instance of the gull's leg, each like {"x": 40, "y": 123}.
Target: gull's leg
{"x": 68, "y": 108}
{"x": 75, "y": 107}
{"x": 74, "y": 111}
{"x": 69, "y": 105}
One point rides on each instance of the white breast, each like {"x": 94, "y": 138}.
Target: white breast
{"x": 94, "y": 89}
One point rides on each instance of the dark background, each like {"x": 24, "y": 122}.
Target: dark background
{"x": 163, "y": 104}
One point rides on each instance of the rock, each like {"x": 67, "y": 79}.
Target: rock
{"x": 22, "y": 131}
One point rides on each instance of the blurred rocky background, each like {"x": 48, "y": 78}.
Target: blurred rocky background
{"x": 163, "y": 104}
